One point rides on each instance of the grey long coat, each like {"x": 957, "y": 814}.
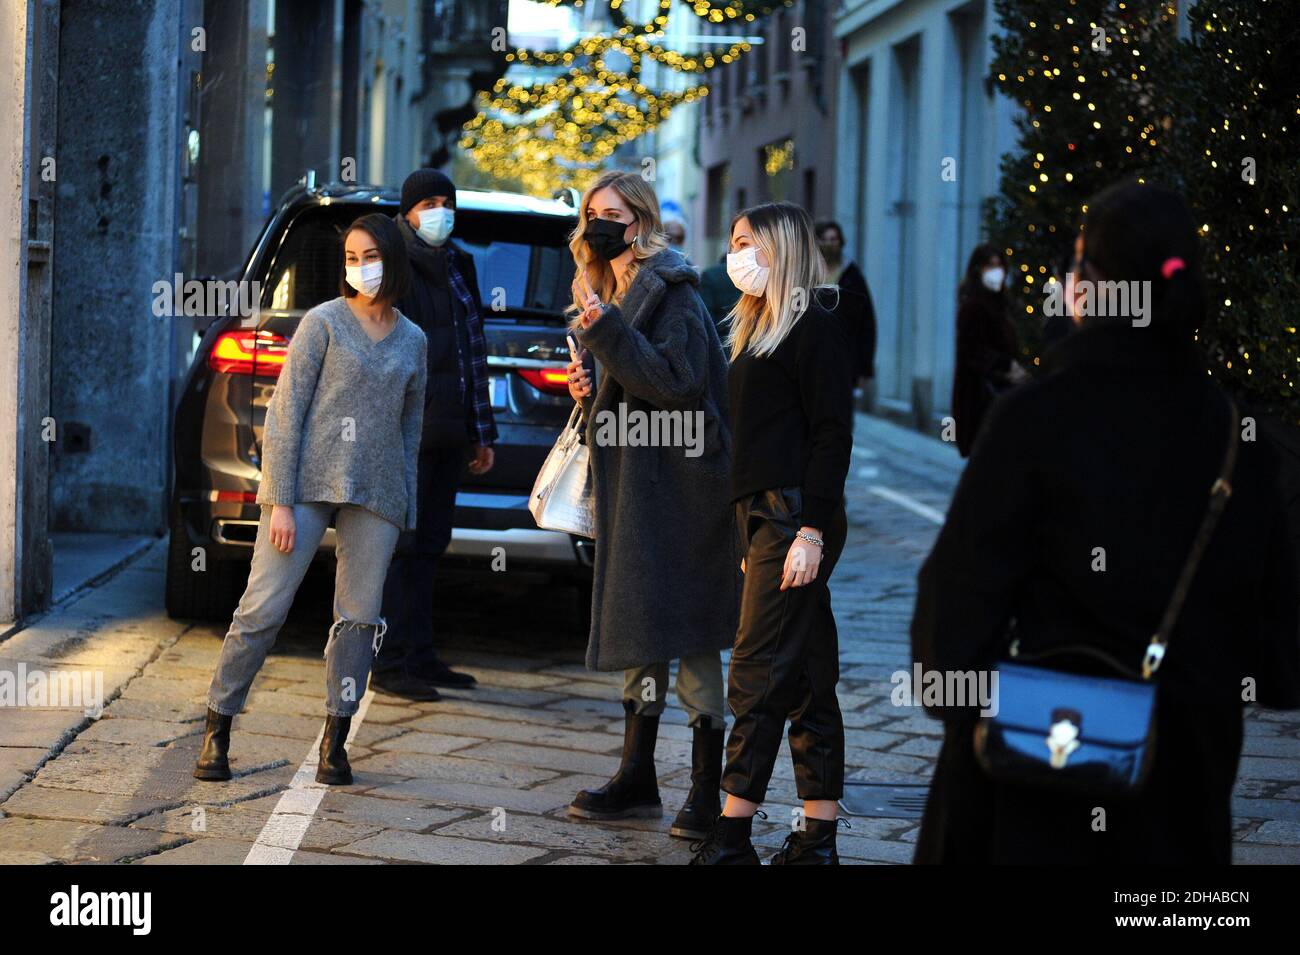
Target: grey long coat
{"x": 667, "y": 562}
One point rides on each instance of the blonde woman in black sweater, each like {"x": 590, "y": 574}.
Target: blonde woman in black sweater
{"x": 790, "y": 388}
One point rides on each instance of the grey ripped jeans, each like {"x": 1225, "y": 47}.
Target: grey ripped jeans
{"x": 363, "y": 547}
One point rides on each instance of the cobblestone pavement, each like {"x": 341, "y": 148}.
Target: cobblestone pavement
{"x": 484, "y": 775}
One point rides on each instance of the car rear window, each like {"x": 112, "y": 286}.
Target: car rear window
{"x": 522, "y": 261}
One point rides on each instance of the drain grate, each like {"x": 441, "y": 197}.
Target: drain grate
{"x": 884, "y": 800}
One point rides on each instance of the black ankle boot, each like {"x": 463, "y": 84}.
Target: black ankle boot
{"x": 634, "y": 790}
{"x": 333, "y": 769}
{"x": 214, "y": 757}
{"x": 727, "y": 843}
{"x": 815, "y": 845}
{"x": 703, "y": 803}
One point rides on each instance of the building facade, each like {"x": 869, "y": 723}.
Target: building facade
{"x": 673, "y": 144}
{"x": 148, "y": 140}
{"x": 921, "y": 133}
{"x": 767, "y": 129}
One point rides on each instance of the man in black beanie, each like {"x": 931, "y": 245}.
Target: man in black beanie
{"x": 444, "y": 301}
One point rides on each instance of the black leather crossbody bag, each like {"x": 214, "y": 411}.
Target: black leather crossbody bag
{"x": 1088, "y": 734}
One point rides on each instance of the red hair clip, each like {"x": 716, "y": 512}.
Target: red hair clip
{"x": 1171, "y": 266}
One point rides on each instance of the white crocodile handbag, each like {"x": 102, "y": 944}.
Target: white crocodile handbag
{"x": 563, "y": 497}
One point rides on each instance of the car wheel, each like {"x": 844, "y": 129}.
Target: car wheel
{"x": 209, "y": 594}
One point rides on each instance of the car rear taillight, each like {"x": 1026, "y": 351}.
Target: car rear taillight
{"x": 249, "y": 352}
{"x": 240, "y": 497}
{"x": 552, "y": 381}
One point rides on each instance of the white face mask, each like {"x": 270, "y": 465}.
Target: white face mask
{"x": 435, "y": 224}
{"x": 745, "y": 272}
{"x": 992, "y": 279}
{"x": 366, "y": 279}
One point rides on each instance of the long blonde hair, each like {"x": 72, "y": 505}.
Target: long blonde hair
{"x": 650, "y": 238}
{"x": 784, "y": 233}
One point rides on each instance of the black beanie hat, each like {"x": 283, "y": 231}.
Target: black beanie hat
{"x": 424, "y": 184}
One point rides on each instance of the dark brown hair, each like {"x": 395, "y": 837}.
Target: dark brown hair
{"x": 392, "y": 252}
{"x": 1131, "y": 231}
{"x": 972, "y": 285}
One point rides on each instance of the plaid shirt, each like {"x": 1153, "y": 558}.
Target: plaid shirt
{"x": 481, "y": 426}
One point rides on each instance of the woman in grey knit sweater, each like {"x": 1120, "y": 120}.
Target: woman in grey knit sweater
{"x": 341, "y": 440}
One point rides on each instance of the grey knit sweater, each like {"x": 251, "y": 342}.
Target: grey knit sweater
{"x": 343, "y": 425}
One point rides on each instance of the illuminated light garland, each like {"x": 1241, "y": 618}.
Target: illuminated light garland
{"x": 1225, "y": 96}
{"x": 560, "y": 131}
{"x": 715, "y": 11}
{"x": 1046, "y": 62}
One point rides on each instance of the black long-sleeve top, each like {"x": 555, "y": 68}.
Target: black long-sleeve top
{"x": 792, "y": 416}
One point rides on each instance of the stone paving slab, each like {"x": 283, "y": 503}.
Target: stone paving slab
{"x": 473, "y": 795}
{"x": 441, "y": 850}
{"x": 451, "y": 768}
{"x": 244, "y": 822}
{"x": 136, "y": 731}
{"x": 627, "y": 845}
{"x": 1277, "y": 832}
{"x": 1249, "y": 854}
{"x": 70, "y": 805}
{"x": 1264, "y": 767}
{"x": 201, "y": 852}
{"x": 516, "y": 732}
{"x": 173, "y": 712}
{"x": 545, "y": 757}
{"x": 159, "y": 773}
{"x": 429, "y": 744}
{"x": 403, "y": 814}
{"x": 545, "y": 717}
{"x": 17, "y": 765}
{"x": 42, "y": 728}
{"x": 80, "y": 842}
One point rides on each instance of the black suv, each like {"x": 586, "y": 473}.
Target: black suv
{"x": 520, "y": 249}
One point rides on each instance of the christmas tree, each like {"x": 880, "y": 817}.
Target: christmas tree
{"x": 1093, "y": 111}
{"x": 1236, "y": 140}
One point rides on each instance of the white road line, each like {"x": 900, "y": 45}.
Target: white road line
{"x": 911, "y": 503}
{"x": 284, "y": 830}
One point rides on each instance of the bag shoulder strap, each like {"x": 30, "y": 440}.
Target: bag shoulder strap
{"x": 1220, "y": 491}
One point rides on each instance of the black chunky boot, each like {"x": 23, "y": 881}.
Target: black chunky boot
{"x": 634, "y": 790}
{"x": 214, "y": 757}
{"x": 333, "y": 769}
{"x": 815, "y": 845}
{"x": 703, "y": 803}
{"x": 727, "y": 843}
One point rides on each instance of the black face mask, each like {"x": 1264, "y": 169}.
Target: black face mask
{"x": 605, "y": 237}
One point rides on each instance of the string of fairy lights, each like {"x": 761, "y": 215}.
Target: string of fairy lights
{"x": 715, "y": 11}
{"x": 1228, "y": 140}
{"x": 1055, "y": 82}
{"x": 560, "y": 129}
{"x": 1151, "y": 104}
